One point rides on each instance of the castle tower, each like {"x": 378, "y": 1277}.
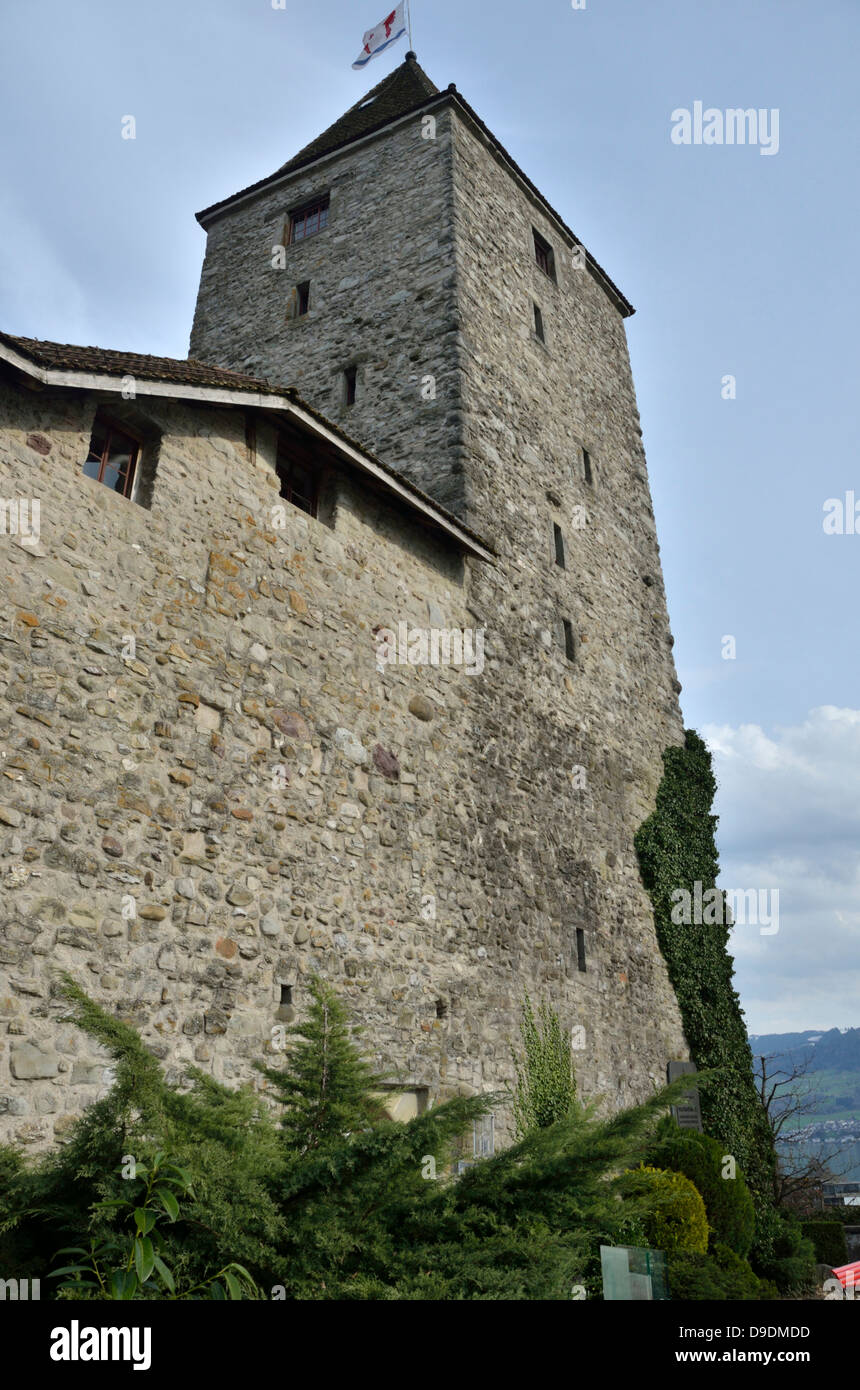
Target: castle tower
{"x": 406, "y": 277}
{"x": 409, "y": 408}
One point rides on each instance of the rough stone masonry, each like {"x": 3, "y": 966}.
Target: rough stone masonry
{"x": 195, "y": 820}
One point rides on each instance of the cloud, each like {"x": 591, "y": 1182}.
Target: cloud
{"x": 789, "y": 808}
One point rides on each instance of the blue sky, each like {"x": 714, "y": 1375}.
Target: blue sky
{"x": 738, "y": 263}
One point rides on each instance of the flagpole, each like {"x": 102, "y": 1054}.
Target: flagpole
{"x": 409, "y": 24}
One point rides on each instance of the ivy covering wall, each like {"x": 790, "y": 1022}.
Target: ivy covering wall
{"x": 677, "y": 849}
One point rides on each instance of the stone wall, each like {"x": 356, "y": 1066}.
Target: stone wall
{"x": 441, "y": 838}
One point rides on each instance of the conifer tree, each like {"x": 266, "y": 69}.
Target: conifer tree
{"x": 327, "y": 1086}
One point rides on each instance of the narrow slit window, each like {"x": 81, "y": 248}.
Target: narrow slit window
{"x": 569, "y": 641}
{"x": 286, "y": 995}
{"x": 303, "y": 298}
{"x": 580, "y": 949}
{"x": 350, "y": 381}
{"x": 539, "y": 333}
{"x": 558, "y": 539}
{"x": 586, "y": 467}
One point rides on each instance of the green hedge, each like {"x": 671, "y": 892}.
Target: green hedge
{"x": 828, "y": 1237}
{"x": 728, "y": 1203}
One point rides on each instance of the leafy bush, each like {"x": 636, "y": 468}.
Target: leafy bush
{"x": 674, "y": 1217}
{"x": 728, "y": 1202}
{"x": 790, "y": 1259}
{"x": 720, "y": 1275}
{"x": 339, "y": 1203}
{"x": 828, "y": 1239}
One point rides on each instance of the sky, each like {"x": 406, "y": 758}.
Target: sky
{"x": 741, "y": 263}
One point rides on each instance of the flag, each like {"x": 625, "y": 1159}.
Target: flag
{"x": 388, "y": 31}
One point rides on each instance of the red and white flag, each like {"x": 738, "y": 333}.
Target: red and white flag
{"x": 387, "y": 32}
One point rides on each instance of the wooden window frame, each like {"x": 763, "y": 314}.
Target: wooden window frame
{"x": 290, "y": 458}
{"x": 113, "y": 426}
{"x": 300, "y": 218}
{"x": 544, "y": 255}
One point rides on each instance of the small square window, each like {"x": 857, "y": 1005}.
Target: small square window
{"x": 113, "y": 457}
{"x": 308, "y": 220}
{"x": 539, "y": 333}
{"x": 544, "y": 255}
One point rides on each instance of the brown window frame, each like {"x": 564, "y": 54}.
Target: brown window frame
{"x": 544, "y": 255}
{"x": 291, "y": 459}
{"x": 112, "y": 427}
{"x": 300, "y": 218}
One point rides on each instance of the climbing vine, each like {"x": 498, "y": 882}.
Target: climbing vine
{"x": 677, "y": 849}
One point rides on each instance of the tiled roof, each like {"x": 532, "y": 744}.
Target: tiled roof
{"x": 68, "y": 357}
{"x": 405, "y": 89}
{"x": 401, "y": 91}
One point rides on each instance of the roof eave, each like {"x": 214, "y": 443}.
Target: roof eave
{"x": 285, "y": 402}
{"x": 208, "y": 215}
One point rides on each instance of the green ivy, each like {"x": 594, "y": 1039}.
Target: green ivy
{"x": 677, "y": 848}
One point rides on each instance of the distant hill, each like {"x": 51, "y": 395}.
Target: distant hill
{"x": 833, "y": 1083}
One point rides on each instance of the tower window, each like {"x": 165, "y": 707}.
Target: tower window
{"x": 113, "y": 457}
{"x": 559, "y": 545}
{"x": 544, "y": 255}
{"x": 303, "y": 298}
{"x": 350, "y": 379}
{"x": 484, "y": 1141}
{"x": 586, "y": 466}
{"x": 298, "y": 478}
{"x": 580, "y": 948}
{"x": 309, "y": 220}
{"x": 286, "y": 995}
{"x": 539, "y": 333}
{"x": 569, "y": 641}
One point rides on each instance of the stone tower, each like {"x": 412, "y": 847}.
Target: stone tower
{"x": 407, "y": 278}
{"x": 408, "y": 408}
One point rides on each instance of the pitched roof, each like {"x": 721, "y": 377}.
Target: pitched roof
{"x": 401, "y": 91}
{"x": 406, "y": 90}
{"x": 199, "y": 376}
{"x": 68, "y": 357}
